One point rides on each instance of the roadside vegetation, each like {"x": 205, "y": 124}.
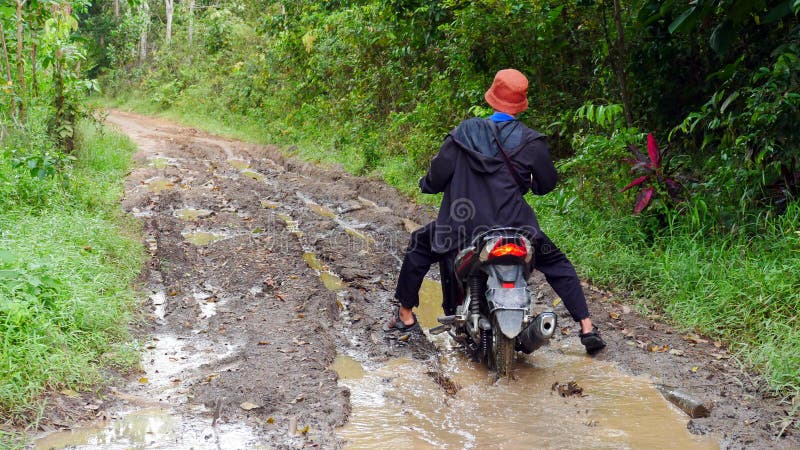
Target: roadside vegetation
{"x": 707, "y": 232}
{"x": 68, "y": 255}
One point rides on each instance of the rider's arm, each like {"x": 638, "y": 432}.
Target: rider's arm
{"x": 441, "y": 170}
{"x": 544, "y": 174}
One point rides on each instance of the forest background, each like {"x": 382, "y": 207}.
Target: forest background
{"x": 674, "y": 125}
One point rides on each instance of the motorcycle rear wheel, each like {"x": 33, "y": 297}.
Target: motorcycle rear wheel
{"x": 501, "y": 356}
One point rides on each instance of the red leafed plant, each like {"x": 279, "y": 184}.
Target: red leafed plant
{"x": 655, "y": 175}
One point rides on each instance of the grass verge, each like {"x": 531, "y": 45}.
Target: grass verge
{"x": 68, "y": 262}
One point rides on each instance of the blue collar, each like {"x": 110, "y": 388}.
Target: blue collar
{"x": 500, "y": 117}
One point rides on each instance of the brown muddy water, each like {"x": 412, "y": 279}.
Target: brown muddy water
{"x": 148, "y": 422}
{"x": 153, "y": 428}
{"x": 398, "y": 405}
{"x": 192, "y": 214}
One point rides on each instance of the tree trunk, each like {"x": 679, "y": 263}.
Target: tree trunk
{"x": 34, "y": 82}
{"x": 5, "y": 53}
{"x": 191, "y": 20}
{"x": 8, "y": 66}
{"x": 116, "y": 9}
{"x": 144, "y": 10}
{"x": 20, "y": 62}
{"x": 622, "y": 74}
{"x": 170, "y": 9}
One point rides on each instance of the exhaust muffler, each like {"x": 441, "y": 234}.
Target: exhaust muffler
{"x": 538, "y": 332}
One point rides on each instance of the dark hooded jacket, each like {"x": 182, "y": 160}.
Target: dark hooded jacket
{"x": 479, "y": 190}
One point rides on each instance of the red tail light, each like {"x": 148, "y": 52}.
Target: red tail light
{"x": 509, "y": 249}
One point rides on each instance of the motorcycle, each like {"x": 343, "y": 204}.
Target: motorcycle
{"x": 491, "y": 314}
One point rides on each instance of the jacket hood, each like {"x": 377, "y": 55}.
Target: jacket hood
{"x": 476, "y": 137}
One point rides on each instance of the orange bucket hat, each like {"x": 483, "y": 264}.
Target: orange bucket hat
{"x": 509, "y": 92}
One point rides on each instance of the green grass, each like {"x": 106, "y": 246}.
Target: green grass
{"x": 742, "y": 290}
{"x": 67, "y": 268}
{"x": 738, "y": 289}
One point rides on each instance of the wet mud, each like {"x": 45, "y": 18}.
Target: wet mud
{"x": 268, "y": 284}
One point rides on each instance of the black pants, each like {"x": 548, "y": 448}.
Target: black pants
{"x": 549, "y": 260}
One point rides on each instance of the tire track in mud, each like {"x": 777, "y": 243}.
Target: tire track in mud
{"x": 264, "y": 268}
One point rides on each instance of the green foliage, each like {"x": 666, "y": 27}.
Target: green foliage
{"x": 66, "y": 267}
{"x": 751, "y": 134}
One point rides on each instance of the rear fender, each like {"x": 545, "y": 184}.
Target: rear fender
{"x": 508, "y": 297}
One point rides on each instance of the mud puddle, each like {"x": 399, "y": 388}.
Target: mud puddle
{"x": 154, "y": 428}
{"x": 399, "y": 405}
{"x": 192, "y": 214}
{"x": 162, "y": 162}
{"x": 158, "y": 184}
{"x": 201, "y": 238}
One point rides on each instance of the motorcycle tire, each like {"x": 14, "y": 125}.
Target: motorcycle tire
{"x": 501, "y": 357}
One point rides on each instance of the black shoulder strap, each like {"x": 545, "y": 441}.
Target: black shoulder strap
{"x": 509, "y": 165}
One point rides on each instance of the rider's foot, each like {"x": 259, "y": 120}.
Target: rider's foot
{"x": 406, "y": 316}
{"x": 403, "y": 320}
{"x": 592, "y": 341}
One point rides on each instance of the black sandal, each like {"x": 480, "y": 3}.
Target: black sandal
{"x": 592, "y": 341}
{"x": 395, "y": 324}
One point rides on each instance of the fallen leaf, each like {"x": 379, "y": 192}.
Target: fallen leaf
{"x": 271, "y": 420}
{"x": 339, "y": 304}
{"x": 657, "y": 348}
{"x": 695, "y": 369}
{"x": 263, "y": 343}
{"x": 614, "y": 315}
{"x": 676, "y": 352}
{"x": 143, "y": 380}
{"x": 556, "y": 302}
{"x": 70, "y": 393}
{"x": 565, "y": 330}
{"x": 249, "y": 406}
{"x": 92, "y": 407}
{"x": 567, "y": 389}
{"x": 304, "y": 430}
{"x": 301, "y": 316}
{"x": 211, "y": 377}
{"x": 695, "y": 339}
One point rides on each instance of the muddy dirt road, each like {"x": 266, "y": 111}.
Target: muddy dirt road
{"x": 268, "y": 283}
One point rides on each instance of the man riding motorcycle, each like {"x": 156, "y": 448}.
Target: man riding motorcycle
{"x": 484, "y": 168}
